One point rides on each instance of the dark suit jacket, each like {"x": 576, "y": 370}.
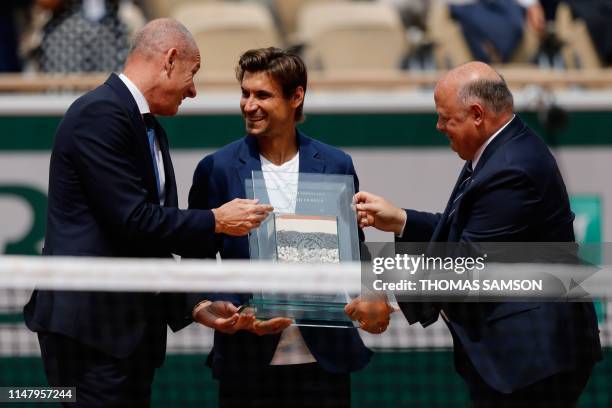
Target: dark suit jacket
{"x": 103, "y": 201}
{"x": 516, "y": 194}
{"x": 219, "y": 178}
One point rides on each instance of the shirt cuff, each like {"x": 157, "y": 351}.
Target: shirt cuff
{"x": 401, "y": 234}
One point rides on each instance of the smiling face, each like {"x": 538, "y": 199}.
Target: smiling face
{"x": 266, "y": 110}
{"x": 457, "y": 121}
{"x": 176, "y": 83}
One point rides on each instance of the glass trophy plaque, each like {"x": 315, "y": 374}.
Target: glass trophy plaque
{"x": 313, "y": 222}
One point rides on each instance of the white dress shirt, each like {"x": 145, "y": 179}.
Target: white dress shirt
{"x": 482, "y": 148}
{"x": 281, "y": 185}
{"x": 143, "y": 107}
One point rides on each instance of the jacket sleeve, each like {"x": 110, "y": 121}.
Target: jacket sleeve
{"x": 419, "y": 226}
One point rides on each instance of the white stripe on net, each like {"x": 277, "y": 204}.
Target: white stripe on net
{"x": 166, "y": 275}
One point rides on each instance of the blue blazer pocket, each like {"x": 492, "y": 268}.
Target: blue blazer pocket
{"x": 508, "y": 309}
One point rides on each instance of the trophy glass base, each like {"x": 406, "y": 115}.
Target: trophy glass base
{"x": 315, "y": 314}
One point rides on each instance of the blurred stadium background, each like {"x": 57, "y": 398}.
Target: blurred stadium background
{"x": 372, "y": 66}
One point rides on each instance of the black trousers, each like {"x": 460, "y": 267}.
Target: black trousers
{"x": 299, "y": 385}
{"x": 100, "y": 380}
{"x": 560, "y": 390}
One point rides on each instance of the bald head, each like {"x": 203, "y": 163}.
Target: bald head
{"x": 478, "y": 82}
{"x": 160, "y": 35}
{"x": 472, "y": 102}
{"x": 162, "y": 64}
{"x": 471, "y": 71}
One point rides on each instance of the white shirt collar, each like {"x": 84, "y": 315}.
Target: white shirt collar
{"x": 482, "y": 148}
{"x": 143, "y": 105}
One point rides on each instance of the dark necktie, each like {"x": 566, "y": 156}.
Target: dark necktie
{"x": 466, "y": 179}
{"x": 150, "y": 124}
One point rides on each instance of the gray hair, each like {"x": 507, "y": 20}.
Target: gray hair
{"x": 160, "y": 35}
{"x": 493, "y": 94}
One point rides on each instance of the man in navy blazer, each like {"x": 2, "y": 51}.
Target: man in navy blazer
{"x": 269, "y": 363}
{"x": 509, "y": 190}
{"x": 112, "y": 193}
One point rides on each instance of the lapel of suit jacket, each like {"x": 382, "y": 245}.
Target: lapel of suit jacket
{"x": 248, "y": 157}
{"x": 310, "y": 159}
{"x": 171, "y": 199}
{"x": 144, "y": 159}
{"x": 513, "y": 128}
{"x": 443, "y": 231}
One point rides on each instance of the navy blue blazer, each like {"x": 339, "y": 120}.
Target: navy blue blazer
{"x": 516, "y": 194}
{"x": 221, "y": 177}
{"x": 103, "y": 202}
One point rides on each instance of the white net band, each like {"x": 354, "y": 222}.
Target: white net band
{"x": 167, "y": 275}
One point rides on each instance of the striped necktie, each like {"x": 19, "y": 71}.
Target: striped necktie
{"x": 467, "y": 177}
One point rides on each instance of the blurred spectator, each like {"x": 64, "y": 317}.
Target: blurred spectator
{"x": 414, "y": 17}
{"x": 413, "y": 12}
{"x": 597, "y": 14}
{"x": 83, "y": 36}
{"x": 9, "y": 34}
{"x": 493, "y": 29}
